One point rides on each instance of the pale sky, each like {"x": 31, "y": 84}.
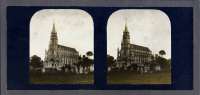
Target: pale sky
{"x": 75, "y": 28}
{"x": 147, "y": 27}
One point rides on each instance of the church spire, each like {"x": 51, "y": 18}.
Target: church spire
{"x": 53, "y": 29}
{"x": 125, "y": 44}
{"x": 126, "y": 36}
{"x": 53, "y": 32}
{"x": 53, "y": 38}
{"x": 126, "y": 27}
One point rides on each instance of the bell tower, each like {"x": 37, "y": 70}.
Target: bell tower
{"x": 53, "y": 40}
{"x": 125, "y": 44}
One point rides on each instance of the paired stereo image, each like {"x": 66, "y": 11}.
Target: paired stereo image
{"x": 139, "y": 47}
{"x": 62, "y": 47}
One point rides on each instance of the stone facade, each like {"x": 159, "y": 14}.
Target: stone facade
{"x": 58, "y": 56}
{"x": 132, "y": 56}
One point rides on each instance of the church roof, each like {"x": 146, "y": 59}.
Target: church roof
{"x": 67, "y": 48}
{"x": 140, "y": 47}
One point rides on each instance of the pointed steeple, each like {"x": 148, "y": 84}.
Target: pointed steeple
{"x": 125, "y": 44}
{"x": 53, "y": 38}
{"x": 126, "y": 37}
{"x": 126, "y": 28}
{"x": 53, "y": 29}
{"x": 53, "y": 32}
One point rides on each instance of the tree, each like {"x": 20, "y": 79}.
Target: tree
{"x": 163, "y": 63}
{"x": 79, "y": 63}
{"x": 89, "y": 53}
{"x": 110, "y": 60}
{"x": 88, "y": 60}
{"x": 84, "y": 63}
{"x": 36, "y": 62}
{"x": 162, "y": 52}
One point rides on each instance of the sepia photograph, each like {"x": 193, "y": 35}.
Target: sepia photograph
{"x": 61, "y": 47}
{"x": 139, "y": 47}
{"x": 105, "y": 48}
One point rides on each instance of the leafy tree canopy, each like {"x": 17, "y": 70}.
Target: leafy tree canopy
{"x": 36, "y": 61}
{"x": 162, "y": 52}
{"x": 89, "y": 53}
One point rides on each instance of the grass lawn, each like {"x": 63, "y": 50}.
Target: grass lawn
{"x": 136, "y": 78}
{"x": 61, "y": 78}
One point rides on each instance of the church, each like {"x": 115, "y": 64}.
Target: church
{"x": 58, "y": 56}
{"x": 132, "y": 56}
